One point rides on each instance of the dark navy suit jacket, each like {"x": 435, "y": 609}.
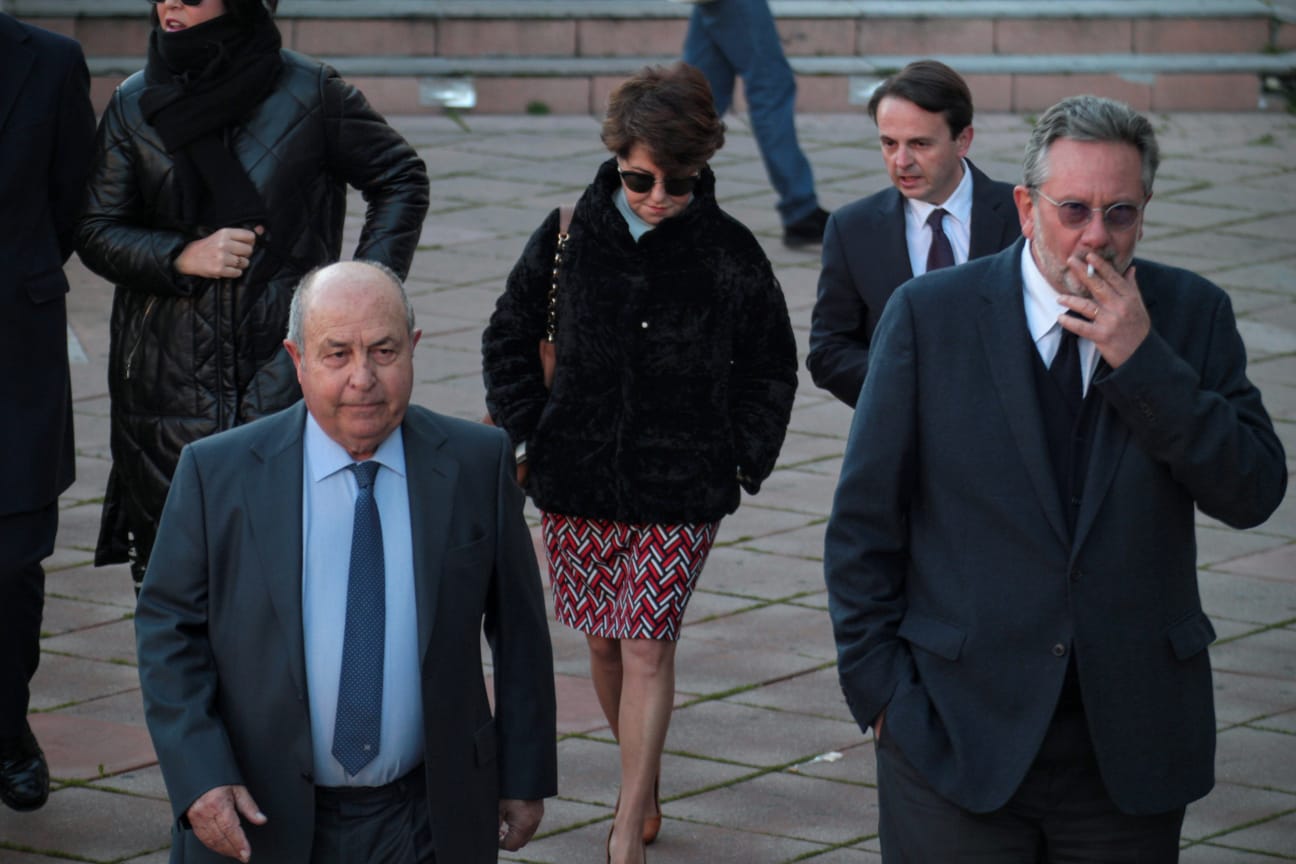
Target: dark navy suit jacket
{"x": 957, "y": 593}
{"x": 46, "y": 137}
{"x": 865, "y": 258}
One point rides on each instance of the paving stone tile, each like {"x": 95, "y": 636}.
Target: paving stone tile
{"x": 1210, "y": 853}
{"x": 1229, "y": 806}
{"x": 1267, "y": 655}
{"x": 755, "y": 736}
{"x": 759, "y": 520}
{"x": 1244, "y": 598}
{"x": 794, "y": 630}
{"x": 1251, "y": 757}
{"x": 589, "y": 771}
{"x": 731, "y": 570}
{"x": 857, "y": 764}
{"x": 65, "y": 615}
{"x": 145, "y": 782}
{"x": 1228, "y": 550}
{"x": 64, "y": 681}
{"x": 84, "y": 748}
{"x": 1273, "y": 836}
{"x": 847, "y": 855}
{"x": 92, "y": 824}
{"x": 790, "y": 805}
{"x": 1246, "y": 697}
{"x": 1278, "y": 562}
{"x": 705, "y": 668}
{"x": 805, "y": 543}
{"x": 1285, "y": 723}
{"x": 816, "y": 693}
{"x": 113, "y": 642}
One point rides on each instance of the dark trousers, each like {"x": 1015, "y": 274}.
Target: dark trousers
{"x": 374, "y": 825}
{"x": 1061, "y": 814}
{"x": 26, "y": 539}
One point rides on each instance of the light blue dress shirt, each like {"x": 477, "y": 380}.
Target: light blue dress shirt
{"x": 328, "y": 513}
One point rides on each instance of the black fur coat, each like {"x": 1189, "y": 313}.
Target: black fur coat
{"x": 676, "y": 363}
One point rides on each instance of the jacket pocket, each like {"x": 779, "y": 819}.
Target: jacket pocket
{"x": 1191, "y": 635}
{"x": 484, "y": 744}
{"x": 47, "y": 286}
{"x": 943, "y": 640}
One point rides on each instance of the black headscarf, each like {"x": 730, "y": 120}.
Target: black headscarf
{"x": 200, "y": 81}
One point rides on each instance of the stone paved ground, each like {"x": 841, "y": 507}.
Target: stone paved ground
{"x": 763, "y": 762}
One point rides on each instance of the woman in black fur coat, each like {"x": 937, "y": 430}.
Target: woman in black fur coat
{"x": 676, "y": 367}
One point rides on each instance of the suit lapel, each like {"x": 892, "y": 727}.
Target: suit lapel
{"x": 1110, "y": 439}
{"x": 16, "y": 60}
{"x": 1002, "y": 324}
{"x": 431, "y": 480}
{"x": 986, "y": 237}
{"x": 273, "y": 500}
{"x": 893, "y": 263}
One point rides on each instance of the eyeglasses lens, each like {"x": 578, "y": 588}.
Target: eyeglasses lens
{"x": 640, "y": 183}
{"x": 1076, "y": 215}
{"x": 185, "y": 2}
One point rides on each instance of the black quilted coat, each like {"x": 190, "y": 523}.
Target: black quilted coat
{"x": 192, "y": 356}
{"x": 676, "y": 363}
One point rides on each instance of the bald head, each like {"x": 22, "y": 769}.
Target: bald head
{"x": 351, "y": 335}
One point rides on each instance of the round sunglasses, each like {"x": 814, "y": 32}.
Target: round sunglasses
{"x": 1075, "y": 214}
{"x": 185, "y": 2}
{"x": 641, "y": 182}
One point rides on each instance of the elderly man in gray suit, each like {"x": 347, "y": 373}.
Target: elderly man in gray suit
{"x": 1011, "y": 554}
{"x": 310, "y": 625}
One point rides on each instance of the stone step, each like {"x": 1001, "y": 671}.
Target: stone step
{"x": 564, "y": 56}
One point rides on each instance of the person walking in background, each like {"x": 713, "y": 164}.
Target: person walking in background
{"x": 46, "y": 138}
{"x": 310, "y": 626}
{"x": 939, "y": 211}
{"x": 729, "y": 39}
{"x": 220, "y": 180}
{"x": 1011, "y": 556}
{"x": 675, "y": 374}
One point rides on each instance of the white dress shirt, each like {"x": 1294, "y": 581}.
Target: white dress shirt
{"x": 1042, "y": 311}
{"x": 957, "y": 224}
{"x": 328, "y": 515}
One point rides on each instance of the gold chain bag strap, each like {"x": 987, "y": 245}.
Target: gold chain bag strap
{"x": 548, "y": 348}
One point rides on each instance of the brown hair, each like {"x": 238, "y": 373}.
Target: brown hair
{"x": 668, "y": 110}
{"x": 933, "y": 87}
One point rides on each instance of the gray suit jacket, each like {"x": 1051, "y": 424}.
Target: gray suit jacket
{"x": 957, "y": 595}
{"x": 865, "y": 258}
{"x": 221, "y": 651}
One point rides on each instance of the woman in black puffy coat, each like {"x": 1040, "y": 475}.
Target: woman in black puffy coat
{"x": 673, "y": 385}
{"x": 220, "y": 180}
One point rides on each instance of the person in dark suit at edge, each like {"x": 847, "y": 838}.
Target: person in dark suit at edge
{"x": 309, "y": 626}
{"x": 924, "y": 119}
{"x": 46, "y": 138}
{"x": 1011, "y": 556}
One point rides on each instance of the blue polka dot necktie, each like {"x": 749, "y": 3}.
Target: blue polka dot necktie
{"x": 360, "y": 686}
{"x": 941, "y": 254}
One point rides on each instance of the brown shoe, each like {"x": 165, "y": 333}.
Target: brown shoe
{"x": 652, "y": 824}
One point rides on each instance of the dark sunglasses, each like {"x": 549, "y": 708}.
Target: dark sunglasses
{"x": 185, "y": 2}
{"x": 1074, "y": 214}
{"x": 641, "y": 182}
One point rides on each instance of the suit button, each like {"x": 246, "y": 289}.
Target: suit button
{"x": 308, "y": 776}
{"x": 1075, "y": 575}
{"x": 1059, "y": 650}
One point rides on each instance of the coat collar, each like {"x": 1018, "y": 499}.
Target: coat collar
{"x": 16, "y": 61}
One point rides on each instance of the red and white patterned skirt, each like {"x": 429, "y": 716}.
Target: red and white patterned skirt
{"x": 623, "y": 581}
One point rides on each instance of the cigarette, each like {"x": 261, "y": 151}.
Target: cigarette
{"x": 1091, "y": 270}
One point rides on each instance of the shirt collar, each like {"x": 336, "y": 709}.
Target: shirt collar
{"x": 327, "y": 457}
{"x": 1042, "y": 306}
{"x": 958, "y": 205}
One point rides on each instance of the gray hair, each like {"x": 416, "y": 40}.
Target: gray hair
{"x": 297, "y": 311}
{"x": 1090, "y": 118}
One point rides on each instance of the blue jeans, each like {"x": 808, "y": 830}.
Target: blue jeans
{"x": 728, "y": 38}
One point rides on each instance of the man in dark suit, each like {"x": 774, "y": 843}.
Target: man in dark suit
{"x": 1011, "y": 554}
{"x": 46, "y": 136}
{"x": 310, "y": 624}
{"x": 940, "y": 211}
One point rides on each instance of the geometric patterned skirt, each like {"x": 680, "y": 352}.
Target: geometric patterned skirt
{"x": 623, "y": 581}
